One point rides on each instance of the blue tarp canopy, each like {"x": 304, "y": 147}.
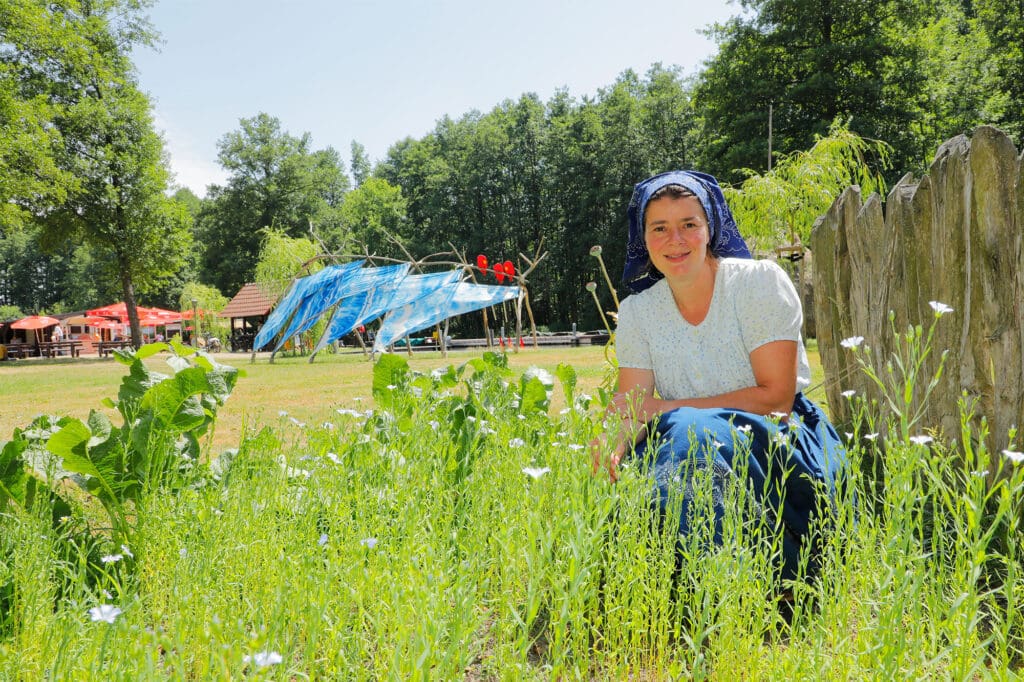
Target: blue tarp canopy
{"x": 457, "y": 299}
{"x": 298, "y": 292}
{"x": 359, "y": 295}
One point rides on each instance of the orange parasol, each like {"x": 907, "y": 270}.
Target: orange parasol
{"x": 34, "y": 322}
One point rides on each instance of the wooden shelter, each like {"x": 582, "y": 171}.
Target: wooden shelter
{"x": 251, "y": 305}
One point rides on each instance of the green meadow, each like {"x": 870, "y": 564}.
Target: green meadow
{"x": 437, "y": 519}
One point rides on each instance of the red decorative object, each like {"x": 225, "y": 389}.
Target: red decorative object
{"x": 481, "y": 262}
{"x": 499, "y": 272}
{"x": 510, "y": 269}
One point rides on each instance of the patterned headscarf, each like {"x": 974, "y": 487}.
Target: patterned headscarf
{"x": 725, "y": 240}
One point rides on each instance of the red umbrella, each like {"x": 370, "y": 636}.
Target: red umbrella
{"x": 34, "y": 322}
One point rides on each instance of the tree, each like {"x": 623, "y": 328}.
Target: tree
{"x": 75, "y": 69}
{"x": 811, "y": 62}
{"x": 360, "y": 164}
{"x": 374, "y": 214}
{"x": 780, "y": 206}
{"x": 275, "y": 181}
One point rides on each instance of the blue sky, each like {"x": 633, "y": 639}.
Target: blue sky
{"x": 378, "y": 71}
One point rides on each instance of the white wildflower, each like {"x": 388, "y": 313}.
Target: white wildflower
{"x": 536, "y": 472}
{"x": 921, "y": 440}
{"x": 848, "y": 394}
{"x": 282, "y": 413}
{"x": 369, "y": 543}
{"x": 1014, "y": 456}
{"x": 183, "y": 552}
{"x": 870, "y": 436}
{"x": 521, "y": 417}
{"x": 323, "y": 540}
{"x": 434, "y": 424}
{"x": 575, "y": 447}
{"x": 111, "y": 558}
{"x": 262, "y": 659}
{"x": 516, "y": 443}
{"x": 333, "y": 457}
{"x": 940, "y": 308}
{"x": 564, "y": 410}
{"x": 107, "y": 613}
{"x": 849, "y": 436}
{"x": 127, "y": 552}
{"x": 295, "y": 421}
{"x": 743, "y": 428}
{"x": 852, "y": 342}
{"x": 391, "y": 387}
{"x": 345, "y": 412}
{"x": 980, "y": 474}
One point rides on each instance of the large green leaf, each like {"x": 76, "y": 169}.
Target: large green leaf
{"x": 389, "y": 376}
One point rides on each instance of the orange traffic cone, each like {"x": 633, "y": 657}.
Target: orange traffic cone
{"x": 501, "y": 342}
{"x": 521, "y": 343}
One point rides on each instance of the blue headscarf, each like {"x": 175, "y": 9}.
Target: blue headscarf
{"x": 725, "y": 240}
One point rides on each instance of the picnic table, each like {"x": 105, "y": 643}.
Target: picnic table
{"x": 105, "y": 348}
{"x": 19, "y": 350}
{"x": 51, "y": 349}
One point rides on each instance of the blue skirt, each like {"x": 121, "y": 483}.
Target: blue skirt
{"x": 791, "y": 467}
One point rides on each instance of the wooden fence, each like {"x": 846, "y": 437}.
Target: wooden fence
{"x": 955, "y": 237}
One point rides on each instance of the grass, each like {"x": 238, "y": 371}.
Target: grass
{"x": 307, "y": 392}
{"x": 455, "y": 534}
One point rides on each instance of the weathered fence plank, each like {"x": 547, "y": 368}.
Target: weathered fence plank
{"x": 954, "y": 237}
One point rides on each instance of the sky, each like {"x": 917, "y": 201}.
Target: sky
{"x": 378, "y": 71}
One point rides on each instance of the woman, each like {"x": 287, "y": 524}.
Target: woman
{"x": 711, "y": 362}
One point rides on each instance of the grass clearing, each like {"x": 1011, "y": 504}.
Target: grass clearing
{"x": 455, "y": 532}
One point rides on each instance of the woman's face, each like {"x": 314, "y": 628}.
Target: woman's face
{"x": 676, "y": 233}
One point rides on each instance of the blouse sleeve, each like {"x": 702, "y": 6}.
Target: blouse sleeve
{"x": 632, "y": 348}
{"x": 769, "y": 307}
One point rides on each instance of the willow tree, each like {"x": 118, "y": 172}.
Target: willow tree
{"x": 779, "y": 207}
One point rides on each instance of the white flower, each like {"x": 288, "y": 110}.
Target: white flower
{"x": 417, "y": 392}
{"x": 718, "y": 446}
{"x": 183, "y": 552}
{"x": 575, "y": 447}
{"x": 852, "y": 342}
{"x": 107, "y": 613}
{"x": 921, "y": 440}
{"x": 521, "y": 417}
{"x": 743, "y": 428}
{"x": 536, "y": 472}
{"x": 369, "y": 543}
{"x": 127, "y": 552}
{"x": 849, "y": 436}
{"x": 282, "y": 413}
{"x": 391, "y": 387}
{"x": 780, "y": 439}
{"x": 778, "y": 415}
{"x": 870, "y": 436}
{"x": 564, "y": 410}
{"x": 516, "y": 443}
{"x": 111, "y": 558}
{"x": 980, "y": 474}
{"x": 848, "y": 394}
{"x": 323, "y": 540}
{"x": 262, "y": 659}
{"x": 333, "y": 457}
{"x": 327, "y": 426}
{"x": 940, "y": 308}
{"x": 345, "y": 412}
{"x": 295, "y": 421}
{"x": 434, "y": 424}
{"x": 1014, "y": 456}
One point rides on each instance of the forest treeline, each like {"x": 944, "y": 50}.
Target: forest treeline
{"x": 89, "y": 214}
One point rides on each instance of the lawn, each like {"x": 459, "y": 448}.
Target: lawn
{"x": 307, "y": 391}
